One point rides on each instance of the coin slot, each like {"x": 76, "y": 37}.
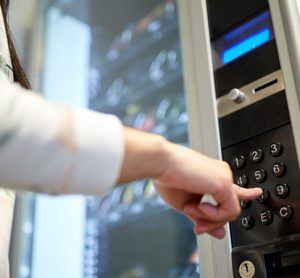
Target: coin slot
{"x": 264, "y": 86}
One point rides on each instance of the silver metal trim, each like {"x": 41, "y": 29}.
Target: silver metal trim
{"x": 253, "y": 92}
{"x": 214, "y": 254}
{"x": 286, "y": 23}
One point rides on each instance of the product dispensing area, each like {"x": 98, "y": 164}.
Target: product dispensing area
{"x": 256, "y": 138}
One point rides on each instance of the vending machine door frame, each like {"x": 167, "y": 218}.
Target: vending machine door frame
{"x": 215, "y": 258}
{"x": 214, "y": 255}
{"x": 286, "y": 24}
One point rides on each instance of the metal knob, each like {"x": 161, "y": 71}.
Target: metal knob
{"x": 236, "y": 95}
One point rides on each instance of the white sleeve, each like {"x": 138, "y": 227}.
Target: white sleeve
{"x": 51, "y": 148}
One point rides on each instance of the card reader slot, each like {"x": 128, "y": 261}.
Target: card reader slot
{"x": 264, "y": 86}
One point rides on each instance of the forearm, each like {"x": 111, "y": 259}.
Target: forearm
{"x": 144, "y": 156}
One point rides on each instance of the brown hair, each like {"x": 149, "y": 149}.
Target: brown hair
{"x": 19, "y": 74}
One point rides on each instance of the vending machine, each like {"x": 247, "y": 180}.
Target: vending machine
{"x": 244, "y": 56}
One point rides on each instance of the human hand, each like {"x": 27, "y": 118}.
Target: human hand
{"x": 188, "y": 176}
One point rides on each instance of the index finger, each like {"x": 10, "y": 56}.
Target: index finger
{"x": 247, "y": 194}
{"x": 227, "y": 208}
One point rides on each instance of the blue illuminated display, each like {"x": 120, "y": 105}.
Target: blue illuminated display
{"x": 246, "y": 45}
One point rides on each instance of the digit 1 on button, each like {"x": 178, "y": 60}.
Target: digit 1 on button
{"x": 238, "y": 162}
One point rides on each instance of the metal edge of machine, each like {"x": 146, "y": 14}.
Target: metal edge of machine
{"x": 214, "y": 255}
{"x": 286, "y": 23}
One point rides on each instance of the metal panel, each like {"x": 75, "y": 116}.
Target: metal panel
{"x": 215, "y": 259}
{"x": 286, "y": 22}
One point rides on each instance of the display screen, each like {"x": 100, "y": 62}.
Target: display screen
{"x": 242, "y": 39}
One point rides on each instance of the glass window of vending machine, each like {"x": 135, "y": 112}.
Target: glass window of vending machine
{"x": 124, "y": 58}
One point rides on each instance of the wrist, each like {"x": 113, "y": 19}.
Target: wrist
{"x": 144, "y": 156}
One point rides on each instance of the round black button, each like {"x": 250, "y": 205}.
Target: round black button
{"x": 276, "y": 149}
{"x": 247, "y": 222}
{"x": 238, "y": 162}
{"x": 256, "y": 155}
{"x": 260, "y": 175}
{"x": 286, "y": 212}
{"x": 245, "y": 204}
{"x": 242, "y": 180}
{"x": 282, "y": 190}
{"x": 279, "y": 169}
{"x": 264, "y": 196}
{"x": 266, "y": 217}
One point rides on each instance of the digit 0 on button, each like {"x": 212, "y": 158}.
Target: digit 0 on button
{"x": 248, "y": 222}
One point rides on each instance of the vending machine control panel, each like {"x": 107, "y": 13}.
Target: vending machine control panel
{"x": 257, "y": 139}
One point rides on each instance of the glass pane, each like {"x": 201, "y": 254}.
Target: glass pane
{"x": 119, "y": 57}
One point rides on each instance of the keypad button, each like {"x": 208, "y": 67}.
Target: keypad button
{"x": 256, "y": 155}
{"x": 245, "y": 204}
{"x": 282, "y": 190}
{"x": 263, "y": 197}
{"x": 242, "y": 180}
{"x": 279, "y": 169}
{"x": 248, "y": 222}
{"x": 286, "y": 212}
{"x": 238, "y": 162}
{"x": 276, "y": 149}
{"x": 266, "y": 217}
{"x": 260, "y": 175}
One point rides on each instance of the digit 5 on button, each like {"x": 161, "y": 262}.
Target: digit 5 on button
{"x": 260, "y": 175}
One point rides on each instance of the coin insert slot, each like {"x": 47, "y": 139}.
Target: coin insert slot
{"x": 266, "y": 85}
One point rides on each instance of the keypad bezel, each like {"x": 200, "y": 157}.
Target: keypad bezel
{"x": 278, "y": 227}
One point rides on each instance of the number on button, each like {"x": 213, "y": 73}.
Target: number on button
{"x": 260, "y": 175}
{"x": 242, "y": 180}
{"x": 238, "y": 161}
{"x": 282, "y": 190}
{"x": 279, "y": 169}
{"x": 256, "y": 155}
{"x": 276, "y": 149}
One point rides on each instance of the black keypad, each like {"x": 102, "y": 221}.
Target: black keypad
{"x": 247, "y": 222}
{"x": 256, "y": 155}
{"x": 267, "y": 161}
{"x": 263, "y": 197}
{"x": 286, "y": 212}
{"x": 279, "y": 169}
{"x": 242, "y": 180}
{"x": 266, "y": 217}
{"x": 282, "y": 190}
{"x": 260, "y": 175}
{"x": 276, "y": 149}
{"x": 238, "y": 162}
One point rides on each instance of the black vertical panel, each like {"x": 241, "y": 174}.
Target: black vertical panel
{"x": 226, "y": 14}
